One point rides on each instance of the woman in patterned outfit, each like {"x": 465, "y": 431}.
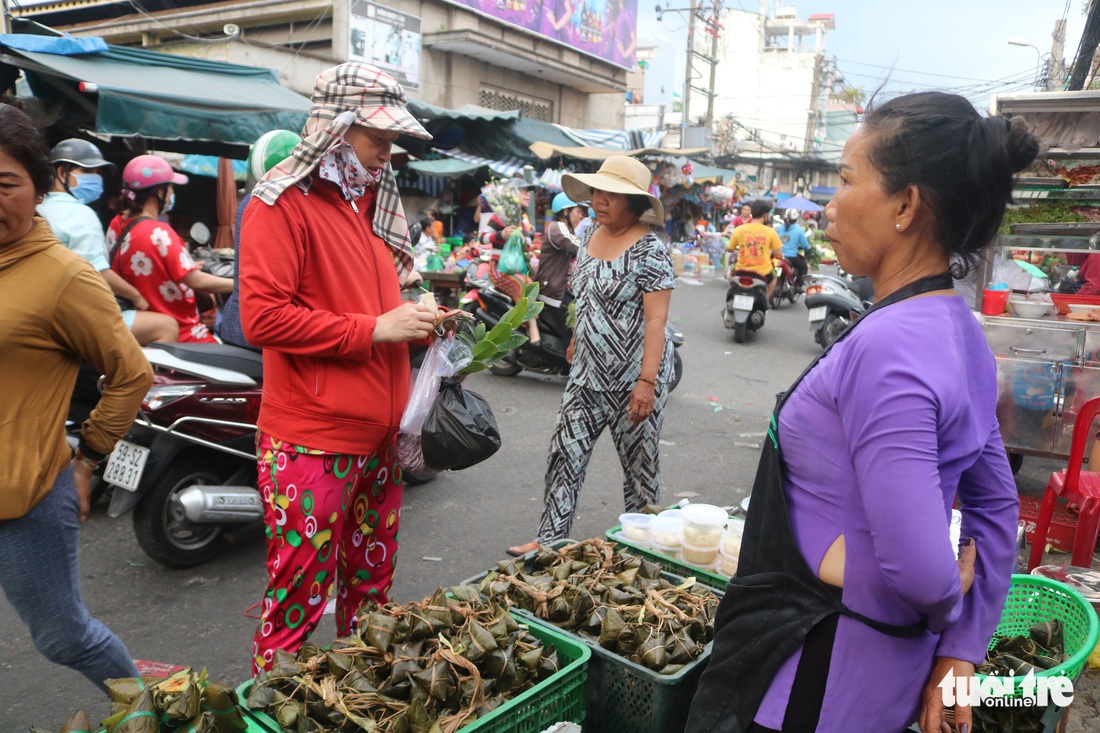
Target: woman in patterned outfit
{"x": 621, "y": 355}
{"x": 324, "y": 253}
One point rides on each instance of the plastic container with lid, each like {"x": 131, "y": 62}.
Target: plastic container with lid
{"x": 727, "y": 564}
{"x": 666, "y": 531}
{"x": 731, "y": 538}
{"x": 702, "y": 556}
{"x": 672, "y": 551}
{"x": 703, "y": 525}
{"x": 635, "y": 526}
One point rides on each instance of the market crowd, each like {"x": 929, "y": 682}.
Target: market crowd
{"x": 839, "y": 588}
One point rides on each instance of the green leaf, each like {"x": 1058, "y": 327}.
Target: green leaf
{"x": 474, "y": 366}
{"x": 515, "y": 316}
{"x": 466, "y": 339}
{"x": 533, "y": 310}
{"x": 513, "y": 343}
{"x": 501, "y": 331}
{"x": 483, "y": 349}
{"x": 531, "y": 290}
{"x": 479, "y": 332}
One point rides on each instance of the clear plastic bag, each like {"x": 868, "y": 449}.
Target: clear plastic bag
{"x": 443, "y": 359}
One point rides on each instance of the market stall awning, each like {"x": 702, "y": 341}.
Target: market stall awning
{"x": 510, "y": 166}
{"x": 134, "y": 92}
{"x": 625, "y": 139}
{"x": 546, "y": 151}
{"x": 445, "y": 168}
{"x": 429, "y": 112}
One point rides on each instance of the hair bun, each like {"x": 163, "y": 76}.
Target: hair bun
{"x": 1023, "y": 147}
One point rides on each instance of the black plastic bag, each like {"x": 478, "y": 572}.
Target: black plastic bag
{"x": 460, "y": 430}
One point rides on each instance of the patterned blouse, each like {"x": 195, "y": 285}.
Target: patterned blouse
{"x": 610, "y": 331}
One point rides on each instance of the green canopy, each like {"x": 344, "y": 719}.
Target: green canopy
{"x": 428, "y": 112}
{"x": 134, "y": 92}
{"x": 446, "y": 167}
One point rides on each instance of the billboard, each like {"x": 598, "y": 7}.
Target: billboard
{"x": 387, "y": 39}
{"x": 603, "y": 28}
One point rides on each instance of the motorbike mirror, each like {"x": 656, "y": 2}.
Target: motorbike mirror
{"x": 200, "y": 233}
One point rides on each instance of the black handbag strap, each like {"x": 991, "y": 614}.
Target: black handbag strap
{"x": 122, "y": 236}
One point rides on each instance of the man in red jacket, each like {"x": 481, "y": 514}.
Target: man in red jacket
{"x": 324, "y": 253}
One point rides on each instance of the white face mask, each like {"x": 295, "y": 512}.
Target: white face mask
{"x": 169, "y": 203}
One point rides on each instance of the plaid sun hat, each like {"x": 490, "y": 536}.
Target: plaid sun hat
{"x": 345, "y": 95}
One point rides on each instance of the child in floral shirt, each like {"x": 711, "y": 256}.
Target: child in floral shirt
{"x": 151, "y": 256}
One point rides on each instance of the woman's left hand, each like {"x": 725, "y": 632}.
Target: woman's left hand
{"x": 82, "y": 477}
{"x": 932, "y": 710}
{"x": 642, "y": 402}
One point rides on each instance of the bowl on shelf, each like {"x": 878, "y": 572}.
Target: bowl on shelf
{"x": 1082, "y": 307}
{"x": 1028, "y": 308}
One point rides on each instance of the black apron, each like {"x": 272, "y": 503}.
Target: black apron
{"x": 776, "y": 598}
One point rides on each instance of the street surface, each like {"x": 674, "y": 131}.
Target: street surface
{"x": 455, "y": 526}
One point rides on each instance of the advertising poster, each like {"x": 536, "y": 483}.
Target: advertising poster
{"x": 387, "y": 39}
{"x": 603, "y": 28}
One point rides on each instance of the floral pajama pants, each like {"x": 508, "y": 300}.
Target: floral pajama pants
{"x": 332, "y": 519}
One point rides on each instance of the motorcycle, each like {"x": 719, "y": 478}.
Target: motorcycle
{"x": 835, "y": 302}
{"x": 746, "y": 303}
{"x": 488, "y": 305}
{"x": 187, "y": 466}
{"x": 785, "y": 286}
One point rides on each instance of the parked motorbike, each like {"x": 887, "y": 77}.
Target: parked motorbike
{"x": 187, "y": 466}
{"x": 488, "y": 305}
{"x": 785, "y": 286}
{"x": 746, "y": 303}
{"x": 835, "y": 302}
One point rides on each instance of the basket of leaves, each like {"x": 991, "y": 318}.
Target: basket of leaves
{"x": 434, "y": 666}
{"x": 650, "y": 631}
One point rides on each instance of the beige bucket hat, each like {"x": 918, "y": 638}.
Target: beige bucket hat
{"x": 618, "y": 174}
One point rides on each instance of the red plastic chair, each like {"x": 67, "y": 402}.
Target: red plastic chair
{"x": 1077, "y": 486}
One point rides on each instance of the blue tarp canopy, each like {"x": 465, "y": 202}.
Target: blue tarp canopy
{"x": 133, "y": 92}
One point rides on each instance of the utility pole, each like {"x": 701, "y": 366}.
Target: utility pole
{"x": 685, "y": 103}
{"x": 815, "y": 93}
{"x": 1056, "y": 68}
{"x": 714, "y": 28}
{"x": 5, "y": 11}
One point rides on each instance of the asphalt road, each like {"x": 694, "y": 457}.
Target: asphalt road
{"x": 452, "y": 528}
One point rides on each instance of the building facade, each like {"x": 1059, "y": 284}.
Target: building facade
{"x": 448, "y": 54}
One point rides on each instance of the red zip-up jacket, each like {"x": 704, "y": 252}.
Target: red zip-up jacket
{"x": 313, "y": 279}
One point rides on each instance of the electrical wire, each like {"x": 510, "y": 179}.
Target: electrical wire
{"x": 198, "y": 39}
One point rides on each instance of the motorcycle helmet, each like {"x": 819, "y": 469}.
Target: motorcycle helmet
{"x": 146, "y": 171}
{"x": 79, "y": 153}
{"x": 791, "y": 214}
{"x": 561, "y": 203}
{"x": 269, "y": 150}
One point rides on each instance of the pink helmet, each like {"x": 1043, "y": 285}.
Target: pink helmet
{"x": 146, "y": 171}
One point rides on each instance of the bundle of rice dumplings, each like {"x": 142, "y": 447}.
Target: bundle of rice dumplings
{"x": 426, "y": 667}
{"x": 621, "y": 599}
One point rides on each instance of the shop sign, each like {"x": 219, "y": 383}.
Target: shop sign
{"x": 606, "y": 29}
{"x": 387, "y": 39}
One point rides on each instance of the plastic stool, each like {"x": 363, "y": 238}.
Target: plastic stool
{"x": 1077, "y": 486}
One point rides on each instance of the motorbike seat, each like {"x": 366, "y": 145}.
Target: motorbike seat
{"x": 244, "y": 361}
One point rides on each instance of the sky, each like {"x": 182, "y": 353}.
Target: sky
{"x": 952, "y": 45}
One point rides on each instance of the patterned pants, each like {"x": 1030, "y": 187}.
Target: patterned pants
{"x": 510, "y": 285}
{"x": 584, "y": 415}
{"x": 331, "y": 518}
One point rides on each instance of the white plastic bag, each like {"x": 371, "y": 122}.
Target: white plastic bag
{"x": 424, "y": 393}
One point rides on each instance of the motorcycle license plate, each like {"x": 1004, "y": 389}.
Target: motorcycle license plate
{"x": 818, "y": 313}
{"x": 125, "y": 466}
{"x": 742, "y": 302}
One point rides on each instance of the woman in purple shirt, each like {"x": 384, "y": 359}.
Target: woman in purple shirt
{"x": 849, "y": 606}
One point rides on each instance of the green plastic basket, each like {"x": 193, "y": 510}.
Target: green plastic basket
{"x": 560, "y": 698}
{"x": 708, "y": 578}
{"x": 1032, "y": 599}
{"x": 624, "y": 697}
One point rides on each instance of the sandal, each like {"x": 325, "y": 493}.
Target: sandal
{"x": 519, "y": 550}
